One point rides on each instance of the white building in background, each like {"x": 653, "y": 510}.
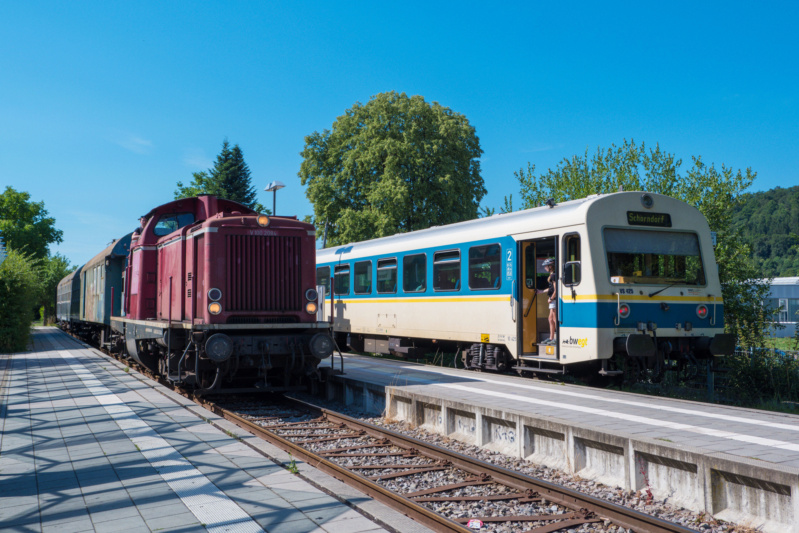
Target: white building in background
{"x": 784, "y": 297}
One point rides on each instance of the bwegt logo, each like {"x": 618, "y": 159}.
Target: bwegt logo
{"x": 571, "y": 341}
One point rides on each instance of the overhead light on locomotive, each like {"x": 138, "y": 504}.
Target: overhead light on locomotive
{"x": 215, "y": 308}
{"x": 701, "y": 311}
{"x": 647, "y": 201}
{"x": 214, "y": 294}
{"x": 263, "y": 220}
{"x": 624, "y": 310}
{"x": 310, "y": 308}
{"x": 311, "y": 295}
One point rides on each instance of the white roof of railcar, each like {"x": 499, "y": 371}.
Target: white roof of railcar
{"x": 562, "y": 215}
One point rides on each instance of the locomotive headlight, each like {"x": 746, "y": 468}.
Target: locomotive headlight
{"x": 214, "y": 294}
{"x": 311, "y": 295}
{"x": 263, "y": 221}
{"x": 310, "y": 308}
{"x": 701, "y": 311}
{"x": 624, "y": 310}
{"x": 215, "y": 308}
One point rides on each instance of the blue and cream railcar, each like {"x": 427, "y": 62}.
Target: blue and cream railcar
{"x": 637, "y": 279}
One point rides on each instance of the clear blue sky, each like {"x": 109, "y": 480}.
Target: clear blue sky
{"x": 105, "y": 106}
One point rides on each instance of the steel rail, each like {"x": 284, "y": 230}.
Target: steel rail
{"x": 617, "y": 514}
{"x": 396, "y": 501}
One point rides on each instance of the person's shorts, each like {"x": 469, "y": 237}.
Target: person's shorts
{"x": 552, "y": 305}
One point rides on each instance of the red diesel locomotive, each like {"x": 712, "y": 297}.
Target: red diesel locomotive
{"x": 218, "y": 297}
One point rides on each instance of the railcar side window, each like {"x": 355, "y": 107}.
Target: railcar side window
{"x": 571, "y": 269}
{"x": 168, "y": 223}
{"x": 387, "y": 276}
{"x": 323, "y": 278}
{"x": 342, "y": 285}
{"x": 363, "y": 277}
{"x": 653, "y": 257}
{"x": 447, "y": 271}
{"x": 485, "y": 265}
{"x": 414, "y": 273}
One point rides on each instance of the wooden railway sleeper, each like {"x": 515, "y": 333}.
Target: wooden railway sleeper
{"x": 528, "y": 496}
{"x": 483, "y": 479}
{"x": 412, "y": 472}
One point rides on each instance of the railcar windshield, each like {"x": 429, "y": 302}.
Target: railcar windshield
{"x": 653, "y": 257}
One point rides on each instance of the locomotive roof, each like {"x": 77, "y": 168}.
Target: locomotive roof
{"x": 562, "y": 214}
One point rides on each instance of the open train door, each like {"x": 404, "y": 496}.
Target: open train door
{"x": 534, "y": 308}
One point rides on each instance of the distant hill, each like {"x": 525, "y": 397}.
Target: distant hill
{"x": 769, "y": 223}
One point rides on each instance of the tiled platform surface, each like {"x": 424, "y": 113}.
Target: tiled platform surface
{"x": 87, "y": 446}
{"x": 741, "y": 465}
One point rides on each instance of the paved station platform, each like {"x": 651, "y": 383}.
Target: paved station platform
{"x": 740, "y": 465}
{"x": 87, "y": 445}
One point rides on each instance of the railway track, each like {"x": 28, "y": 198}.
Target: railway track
{"x": 444, "y": 490}
{"x": 441, "y": 489}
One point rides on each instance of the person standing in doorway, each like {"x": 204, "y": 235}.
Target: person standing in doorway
{"x": 552, "y": 294}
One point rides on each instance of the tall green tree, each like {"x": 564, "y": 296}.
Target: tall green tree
{"x": 717, "y": 193}
{"x": 392, "y": 165}
{"x": 229, "y": 178}
{"x": 26, "y": 225}
{"x": 51, "y": 270}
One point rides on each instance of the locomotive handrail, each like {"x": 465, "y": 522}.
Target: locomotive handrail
{"x": 617, "y": 319}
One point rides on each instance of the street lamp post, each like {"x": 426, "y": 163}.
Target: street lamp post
{"x": 274, "y": 186}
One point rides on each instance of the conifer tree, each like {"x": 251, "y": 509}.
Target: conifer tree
{"x": 229, "y": 178}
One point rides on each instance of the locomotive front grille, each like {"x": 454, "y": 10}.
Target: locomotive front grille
{"x": 263, "y": 273}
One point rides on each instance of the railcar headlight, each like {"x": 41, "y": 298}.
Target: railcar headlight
{"x": 214, "y": 294}
{"x": 215, "y": 308}
{"x": 310, "y": 308}
{"x": 311, "y": 295}
{"x": 263, "y": 220}
{"x": 624, "y": 310}
{"x": 701, "y": 311}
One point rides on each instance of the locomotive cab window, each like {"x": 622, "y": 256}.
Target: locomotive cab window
{"x": 571, "y": 268}
{"x": 414, "y": 273}
{"x": 172, "y": 222}
{"x": 653, "y": 257}
{"x": 447, "y": 271}
{"x": 342, "y": 285}
{"x": 323, "y": 278}
{"x": 363, "y": 277}
{"x": 387, "y": 276}
{"x": 485, "y": 267}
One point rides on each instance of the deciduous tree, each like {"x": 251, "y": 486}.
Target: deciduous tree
{"x": 392, "y": 165}
{"x": 25, "y": 225}
{"x": 716, "y": 193}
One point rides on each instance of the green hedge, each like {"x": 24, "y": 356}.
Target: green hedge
{"x": 19, "y": 286}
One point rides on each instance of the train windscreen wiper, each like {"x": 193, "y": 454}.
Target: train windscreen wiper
{"x": 651, "y": 294}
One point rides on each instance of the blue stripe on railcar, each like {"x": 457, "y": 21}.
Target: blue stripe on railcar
{"x": 603, "y": 314}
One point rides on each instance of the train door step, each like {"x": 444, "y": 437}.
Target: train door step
{"x": 543, "y": 370}
{"x": 548, "y": 357}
